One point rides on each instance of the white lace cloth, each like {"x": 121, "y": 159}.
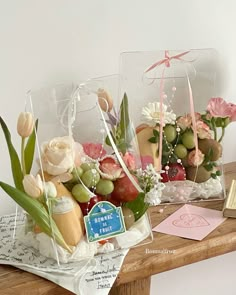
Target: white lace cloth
{"x": 185, "y": 191}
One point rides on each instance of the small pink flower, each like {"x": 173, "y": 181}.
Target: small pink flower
{"x": 146, "y": 160}
{"x": 218, "y": 107}
{"x": 184, "y": 122}
{"x": 129, "y": 160}
{"x": 94, "y": 150}
{"x": 195, "y": 159}
{"x": 203, "y": 130}
{"x": 110, "y": 169}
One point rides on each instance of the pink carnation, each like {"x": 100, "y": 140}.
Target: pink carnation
{"x": 94, "y": 150}
{"x": 184, "y": 122}
{"x": 110, "y": 169}
{"x": 195, "y": 159}
{"x": 203, "y": 130}
{"x": 218, "y": 107}
{"x": 233, "y": 112}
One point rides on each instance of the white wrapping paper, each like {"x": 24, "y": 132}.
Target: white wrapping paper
{"x": 80, "y": 277}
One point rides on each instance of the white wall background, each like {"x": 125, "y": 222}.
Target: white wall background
{"x": 57, "y": 40}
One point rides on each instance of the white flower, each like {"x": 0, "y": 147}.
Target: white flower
{"x": 50, "y": 189}
{"x": 151, "y": 114}
{"x": 33, "y": 186}
{"x": 58, "y": 155}
{"x": 153, "y": 197}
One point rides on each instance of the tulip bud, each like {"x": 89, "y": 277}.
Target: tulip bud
{"x": 50, "y": 189}
{"x": 33, "y": 186}
{"x": 25, "y": 124}
{"x": 105, "y": 100}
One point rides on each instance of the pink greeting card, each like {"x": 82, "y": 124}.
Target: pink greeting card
{"x": 191, "y": 222}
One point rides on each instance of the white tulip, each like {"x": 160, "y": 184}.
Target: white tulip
{"x": 33, "y": 186}
{"x": 25, "y": 124}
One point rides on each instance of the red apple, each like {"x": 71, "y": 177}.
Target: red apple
{"x": 124, "y": 190}
{"x": 113, "y": 201}
{"x": 175, "y": 172}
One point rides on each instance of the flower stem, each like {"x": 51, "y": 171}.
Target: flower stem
{"x": 23, "y": 155}
{"x": 222, "y": 134}
{"x": 214, "y": 129}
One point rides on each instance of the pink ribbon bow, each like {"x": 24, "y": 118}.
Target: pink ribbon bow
{"x": 167, "y": 60}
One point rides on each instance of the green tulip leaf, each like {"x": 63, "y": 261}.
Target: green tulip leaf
{"x": 15, "y": 162}
{"x": 38, "y": 213}
{"x": 29, "y": 149}
{"x": 125, "y": 127}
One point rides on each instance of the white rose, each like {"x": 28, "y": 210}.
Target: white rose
{"x": 58, "y": 155}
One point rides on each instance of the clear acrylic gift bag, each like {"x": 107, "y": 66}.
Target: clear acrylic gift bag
{"x": 82, "y": 192}
{"x": 170, "y": 95}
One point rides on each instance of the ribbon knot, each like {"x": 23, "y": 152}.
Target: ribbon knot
{"x": 167, "y": 60}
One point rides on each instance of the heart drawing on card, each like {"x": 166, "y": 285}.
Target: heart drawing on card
{"x": 190, "y": 220}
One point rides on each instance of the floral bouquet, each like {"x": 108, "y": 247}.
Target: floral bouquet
{"x": 177, "y": 130}
{"x": 78, "y": 177}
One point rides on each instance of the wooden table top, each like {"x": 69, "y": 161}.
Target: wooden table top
{"x": 139, "y": 264}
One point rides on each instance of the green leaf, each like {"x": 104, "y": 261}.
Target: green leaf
{"x": 209, "y": 155}
{"x": 38, "y": 213}
{"x": 208, "y": 167}
{"x": 138, "y": 206}
{"x": 218, "y": 172}
{"x": 219, "y": 122}
{"x": 153, "y": 140}
{"x": 15, "y": 162}
{"x": 124, "y": 114}
{"x": 125, "y": 127}
{"x": 107, "y": 141}
{"x": 155, "y": 133}
{"x": 29, "y": 149}
{"x": 213, "y": 175}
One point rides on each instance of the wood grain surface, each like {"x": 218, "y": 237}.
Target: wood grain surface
{"x": 139, "y": 265}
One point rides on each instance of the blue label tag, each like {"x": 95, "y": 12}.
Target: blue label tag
{"x": 104, "y": 221}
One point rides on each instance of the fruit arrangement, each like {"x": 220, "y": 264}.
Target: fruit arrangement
{"x": 191, "y": 146}
{"x": 73, "y": 178}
